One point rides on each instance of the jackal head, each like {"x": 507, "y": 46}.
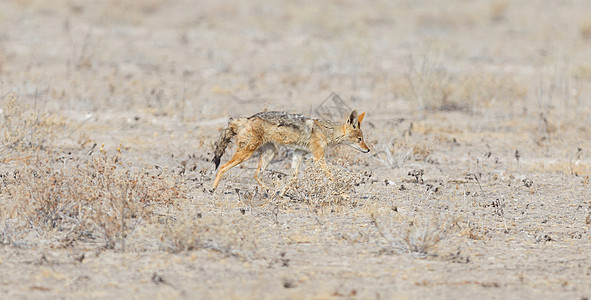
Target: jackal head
{"x": 352, "y": 134}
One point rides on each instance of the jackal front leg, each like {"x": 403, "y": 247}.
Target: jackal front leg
{"x": 296, "y": 162}
{"x": 324, "y": 166}
{"x": 321, "y": 162}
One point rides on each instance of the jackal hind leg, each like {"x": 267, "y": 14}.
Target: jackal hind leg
{"x": 268, "y": 152}
{"x": 296, "y": 162}
{"x": 241, "y": 155}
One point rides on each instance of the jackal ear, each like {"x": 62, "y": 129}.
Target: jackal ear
{"x": 353, "y": 119}
{"x": 360, "y": 118}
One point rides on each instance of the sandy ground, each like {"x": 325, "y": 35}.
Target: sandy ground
{"x": 478, "y": 116}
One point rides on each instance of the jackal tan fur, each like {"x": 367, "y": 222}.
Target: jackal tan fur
{"x": 269, "y": 130}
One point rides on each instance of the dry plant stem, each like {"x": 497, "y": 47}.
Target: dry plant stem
{"x": 122, "y": 217}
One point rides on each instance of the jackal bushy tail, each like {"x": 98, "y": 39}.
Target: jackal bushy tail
{"x": 225, "y": 138}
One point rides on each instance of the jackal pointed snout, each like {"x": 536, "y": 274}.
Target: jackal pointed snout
{"x": 361, "y": 147}
{"x": 364, "y": 145}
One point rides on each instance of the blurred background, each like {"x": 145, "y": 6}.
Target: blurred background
{"x": 191, "y": 59}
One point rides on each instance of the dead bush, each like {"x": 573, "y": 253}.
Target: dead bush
{"x": 91, "y": 198}
{"x": 231, "y": 234}
{"x": 408, "y": 234}
{"x": 434, "y": 87}
{"x": 323, "y": 194}
{"x": 23, "y": 128}
{"x": 585, "y": 29}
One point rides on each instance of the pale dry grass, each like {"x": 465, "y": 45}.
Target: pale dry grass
{"x": 23, "y": 129}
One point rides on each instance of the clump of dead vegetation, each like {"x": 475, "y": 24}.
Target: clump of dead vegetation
{"x": 435, "y": 87}
{"x": 23, "y": 129}
{"x": 230, "y": 233}
{"x": 410, "y": 234}
{"x": 323, "y": 194}
{"x": 92, "y": 198}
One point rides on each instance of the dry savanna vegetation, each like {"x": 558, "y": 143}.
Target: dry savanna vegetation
{"x": 478, "y": 115}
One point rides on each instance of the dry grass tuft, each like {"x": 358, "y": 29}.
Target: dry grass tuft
{"x": 233, "y": 234}
{"x": 24, "y": 129}
{"x": 396, "y": 154}
{"x": 410, "y": 234}
{"x": 392, "y": 155}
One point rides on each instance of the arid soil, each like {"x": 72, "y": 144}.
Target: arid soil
{"x": 478, "y": 114}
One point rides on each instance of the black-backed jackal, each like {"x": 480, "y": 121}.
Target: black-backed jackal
{"x": 268, "y": 130}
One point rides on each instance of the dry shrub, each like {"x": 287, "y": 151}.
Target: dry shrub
{"x": 434, "y": 87}
{"x": 498, "y": 9}
{"x": 93, "y": 198}
{"x": 232, "y": 234}
{"x": 323, "y": 194}
{"x": 24, "y": 129}
{"x": 481, "y": 91}
{"x": 416, "y": 235}
{"x": 429, "y": 82}
{"x": 585, "y": 29}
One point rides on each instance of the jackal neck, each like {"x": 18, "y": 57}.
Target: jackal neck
{"x": 332, "y": 131}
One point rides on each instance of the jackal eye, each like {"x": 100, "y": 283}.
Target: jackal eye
{"x": 359, "y": 139}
